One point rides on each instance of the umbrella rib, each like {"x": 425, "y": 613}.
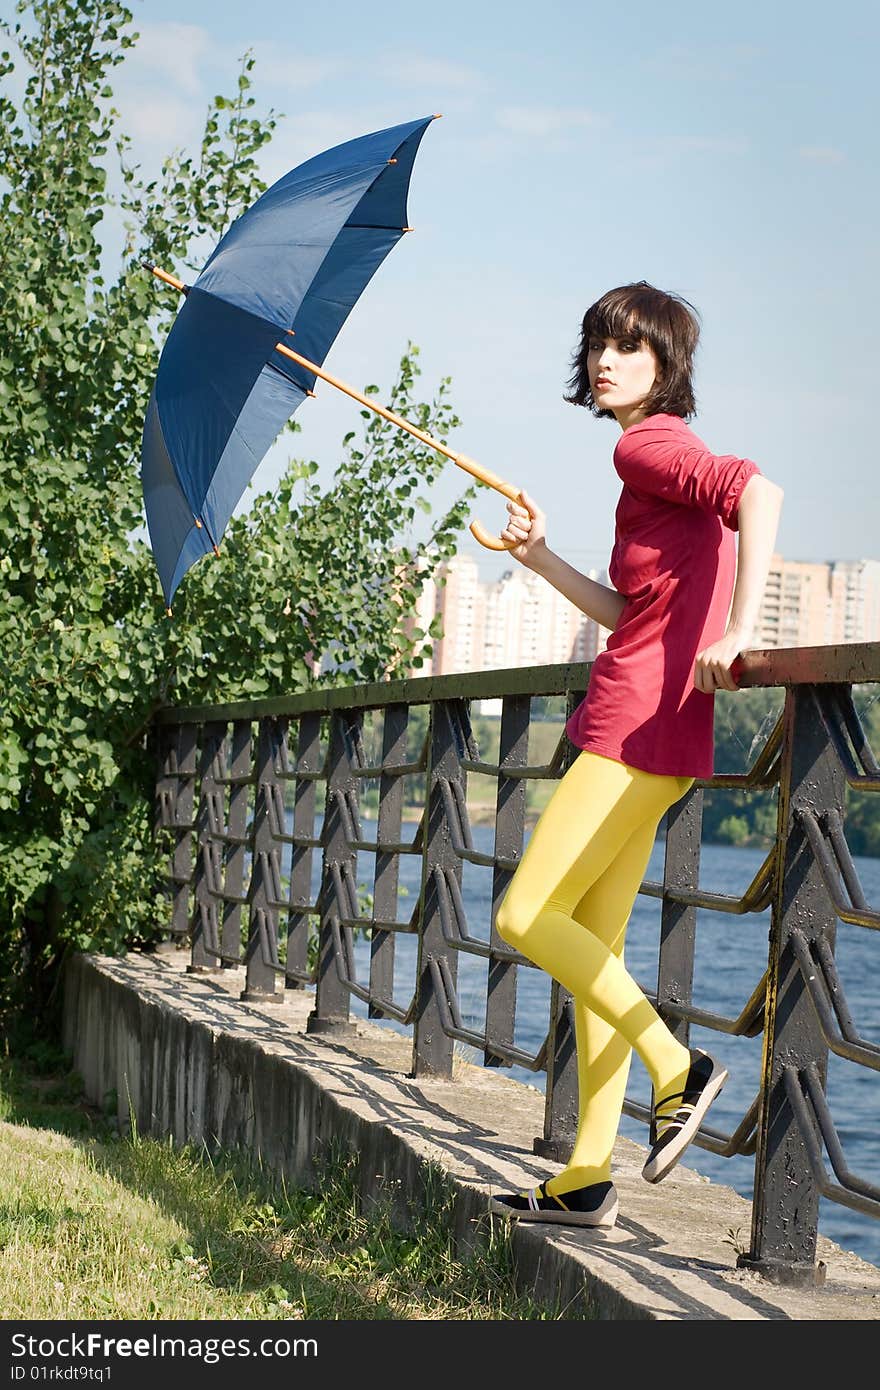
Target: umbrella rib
{"x": 235, "y": 429}
{"x": 275, "y": 368}
{"x": 200, "y": 520}
{"x": 325, "y": 299}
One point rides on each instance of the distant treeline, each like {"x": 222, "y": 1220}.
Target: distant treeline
{"x": 743, "y": 723}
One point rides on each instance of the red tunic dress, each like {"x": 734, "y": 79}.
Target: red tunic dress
{"x": 674, "y": 559}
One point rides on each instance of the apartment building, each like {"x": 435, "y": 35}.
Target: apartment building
{"x": 814, "y": 604}
{"x": 460, "y": 598}
{"x": 794, "y": 609}
{"x": 854, "y": 601}
{"x": 516, "y": 620}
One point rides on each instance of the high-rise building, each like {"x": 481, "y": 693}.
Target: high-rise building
{"x": 461, "y": 600}
{"x": 854, "y": 601}
{"x": 421, "y": 618}
{"x": 819, "y": 603}
{"x": 516, "y": 620}
{"x": 506, "y": 604}
{"x": 794, "y": 608}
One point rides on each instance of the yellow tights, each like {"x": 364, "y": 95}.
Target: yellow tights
{"x": 566, "y": 909}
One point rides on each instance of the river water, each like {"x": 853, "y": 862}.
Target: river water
{"x": 731, "y": 955}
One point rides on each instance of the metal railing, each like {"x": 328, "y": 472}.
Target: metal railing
{"x": 238, "y": 790}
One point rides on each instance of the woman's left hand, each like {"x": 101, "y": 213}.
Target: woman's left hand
{"x": 713, "y": 666}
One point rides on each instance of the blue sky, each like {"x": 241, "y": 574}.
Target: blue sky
{"x": 726, "y": 153}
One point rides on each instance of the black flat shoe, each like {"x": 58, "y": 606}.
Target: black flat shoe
{"x": 595, "y": 1205}
{"x": 676, "y": 1127}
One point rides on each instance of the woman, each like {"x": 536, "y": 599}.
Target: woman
{"x": 677, "y": 624}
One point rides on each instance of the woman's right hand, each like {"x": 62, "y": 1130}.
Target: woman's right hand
{"x": 526, "y": 527}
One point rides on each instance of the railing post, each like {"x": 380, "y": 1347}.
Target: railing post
{"x": 510, "y": 805}
{"x": 450, "y": 728}
{"x": 388, "y": 830}
{"x": 164, "y": 811}
{"x": 240, "y": 780}
{"x": 202, "y": 960}
{"x": 184, "y": 773}
{"x": 262, "y": 942}
{"x": 332, "y": 999}
{"x": 786, "y": 1202}
{"x": 561, "y": 1098}
{"x": 308, "y": 759}
{"x": 678, "y": 921}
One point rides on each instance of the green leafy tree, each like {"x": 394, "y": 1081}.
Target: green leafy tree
{"x": 734, "y": 830}
{"x": 743, "y": 723}
{"x": 309, "y": 577}
{"x": 863, "y": 808}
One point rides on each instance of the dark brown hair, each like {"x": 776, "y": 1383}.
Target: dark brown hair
{"x": 666, "y": 322}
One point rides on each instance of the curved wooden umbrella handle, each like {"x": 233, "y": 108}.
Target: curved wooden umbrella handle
{"x": 476, "y": 528}
{"x": 479, "y": 533}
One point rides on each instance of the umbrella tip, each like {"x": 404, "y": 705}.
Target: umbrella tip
{"x": 217, "y": 551}
{"x": 407, "y": 229}
{"x": 312, "y": 393}
{"x": 167, "y": 612}
{"x": 437, "y": 116}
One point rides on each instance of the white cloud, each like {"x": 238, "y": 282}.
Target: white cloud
{"x": 290, "y": 69}
{"x": 415, "y": 70}
{"x": 699, "y": 144}
{"x": 822, "y": 154}
{"x": 540, "y": 121}
{"x": 708, "y": 63}
{"x": 177, "y": 51}
{"x": 161, "y": 89}
{"x": 162, "y": 119}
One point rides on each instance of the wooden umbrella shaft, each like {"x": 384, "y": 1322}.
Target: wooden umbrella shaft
{"x": 461, "y": 460}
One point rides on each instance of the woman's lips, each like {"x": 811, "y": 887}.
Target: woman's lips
{"x": 602, "y": 384}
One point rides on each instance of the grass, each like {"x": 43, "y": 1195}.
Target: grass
{"x": 95, "y": 1224}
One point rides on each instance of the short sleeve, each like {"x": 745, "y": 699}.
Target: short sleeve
{"x": 671, "y": 462}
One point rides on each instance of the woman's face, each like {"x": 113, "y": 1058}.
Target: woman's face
{"x": 622, "y": 372}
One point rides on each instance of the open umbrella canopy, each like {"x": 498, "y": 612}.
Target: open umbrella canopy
{"x": 296, "y": 261}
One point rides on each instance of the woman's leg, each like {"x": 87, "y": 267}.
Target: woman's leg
{"x": 603, "y": 1054}
{"x": 597, "y": 808}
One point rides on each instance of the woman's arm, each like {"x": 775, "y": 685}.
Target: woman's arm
{"x": 600, "y": 603}
{"x": 527, "y": 526}
{"x": 757, "y": 518}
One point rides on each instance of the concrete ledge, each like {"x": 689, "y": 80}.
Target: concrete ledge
{"x": 199, "y": 1064}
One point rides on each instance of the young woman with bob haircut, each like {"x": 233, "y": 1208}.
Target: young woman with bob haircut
{"x": 682, "y": 607}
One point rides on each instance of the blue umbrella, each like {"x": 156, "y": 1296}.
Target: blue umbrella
{"x": 298, "y": 259}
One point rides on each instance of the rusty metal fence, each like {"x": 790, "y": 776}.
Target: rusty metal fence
{"x": 242, "y": 787}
